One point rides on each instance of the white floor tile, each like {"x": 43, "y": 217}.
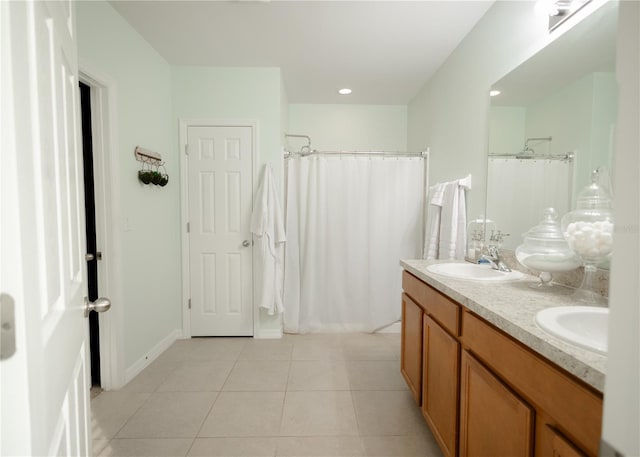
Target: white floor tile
{"x": 318, "y": 413}
{"x": 169, "y": 415}
{"x": 258, "y": 375}
{"x": 111, "y": 410}
{"x": 136, "y": 447}
{"x": 98, "y": 445}
{"x": 244, "y": 414}
{"x": 320, "y": 446}
{"x": 198, "y": 377}
{"x": 400, "y": 446}
{"x": 267, "y": 350}
{"x": 233, "y": 447}
{"x": 304, "y": 395}
{"x": 382, "y": 413}
{"x": 375, "y": 375}
{"x": 318, "y": 375}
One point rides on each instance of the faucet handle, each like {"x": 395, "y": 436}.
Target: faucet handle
{"x": 498, "y": 237}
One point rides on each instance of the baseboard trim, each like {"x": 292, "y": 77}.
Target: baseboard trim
{"x": 142, "y": 363}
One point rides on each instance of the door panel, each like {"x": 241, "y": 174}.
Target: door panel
{"x": 411, "y": 347}
{"x": 220, "y": 191}
{"x": 45, "y": 382}
{"x": 440, "y": 384}
{"x": 494, "y": 421}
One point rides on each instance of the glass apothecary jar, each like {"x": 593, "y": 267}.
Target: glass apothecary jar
{"x": 545, "y": 250}
{"x": 589, "y": 232}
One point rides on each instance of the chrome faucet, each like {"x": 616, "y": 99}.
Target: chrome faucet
{"x": 494, "y": 259}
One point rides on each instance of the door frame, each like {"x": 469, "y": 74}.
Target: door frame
{"x": 184, "y": 124}
{"x": 106, "y": 166}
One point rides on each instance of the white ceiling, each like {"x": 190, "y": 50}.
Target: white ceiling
{"x": 384, "y": 50}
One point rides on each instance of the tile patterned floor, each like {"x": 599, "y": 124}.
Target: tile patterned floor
{"x": 304, "y": 395}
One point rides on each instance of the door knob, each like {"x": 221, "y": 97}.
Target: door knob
{"x": 89, "y": 257}
{"x": 246, "y": 243}
{"x": 100, "y": 305}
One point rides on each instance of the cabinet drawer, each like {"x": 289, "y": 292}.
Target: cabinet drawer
{"x": 441, "y": 308}
{"x": 544, "y": 385}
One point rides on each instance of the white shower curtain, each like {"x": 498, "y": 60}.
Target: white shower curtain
{"x": 349, "y": 220}
{"x": 519, "y": 190}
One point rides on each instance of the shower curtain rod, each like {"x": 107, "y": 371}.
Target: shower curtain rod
{"x": 376, "y": 153}
{"x": 567, "y": 156}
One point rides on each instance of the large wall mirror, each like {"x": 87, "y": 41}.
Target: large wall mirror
{"x": 552, "y": 124}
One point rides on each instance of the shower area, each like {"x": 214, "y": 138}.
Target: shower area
{"x": 350, "y": 216}
{"x": 521, "y": 186}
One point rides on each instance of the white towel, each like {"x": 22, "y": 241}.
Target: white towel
{"x": 432, "y": 226}
{"x": 446, "y": 225}
{"x": 464, "y": 184}
{"x": 268, "y": 224}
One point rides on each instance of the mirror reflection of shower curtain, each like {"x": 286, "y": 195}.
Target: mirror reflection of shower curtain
{"x": 518, "y": 191}
{"x": 349, "y": 220}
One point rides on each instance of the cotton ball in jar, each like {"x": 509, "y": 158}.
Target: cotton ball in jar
{"x": 590, "y": 239}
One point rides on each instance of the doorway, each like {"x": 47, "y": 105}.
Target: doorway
{"x": 219, "y": 188}
{"x": 92, "y": 255}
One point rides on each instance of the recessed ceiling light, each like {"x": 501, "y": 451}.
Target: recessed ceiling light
{"x": 345, "y": 91}
{"x": 493, "y": 93}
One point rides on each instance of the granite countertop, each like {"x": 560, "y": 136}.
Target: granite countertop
{"x": 512, "y": 306}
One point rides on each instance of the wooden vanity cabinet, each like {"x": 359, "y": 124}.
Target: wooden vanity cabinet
{"x": 566, "y": 409}
{"x": 484, "y": 393}
{"x": 439, "y": 354}
{"x": 411, "y": 346}
{"x": 440, "y": 380}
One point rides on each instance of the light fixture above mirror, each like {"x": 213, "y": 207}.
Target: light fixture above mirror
{"x": 560, "y": 10}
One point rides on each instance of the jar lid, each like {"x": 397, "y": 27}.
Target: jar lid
{"x": 593, "y": 196}
{"x": 547, "y": 229}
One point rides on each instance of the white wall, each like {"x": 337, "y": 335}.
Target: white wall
{"x": 622, "y": 385}
{"x": 334, "y": 127}
{"x": 451, "y": 113}
{"x": 580, "y": 118}
{"x": 506, "y": 129}
{"x": 248, "y": 94}
{"x": 604, "y": 119}
{"x": 146, "y": 217}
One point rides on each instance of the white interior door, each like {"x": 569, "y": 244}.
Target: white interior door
{"x": 44, "y": 375}
{"x": 220, "y": 249}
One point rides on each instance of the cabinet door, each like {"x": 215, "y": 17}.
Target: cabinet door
{"x": 552, "y": 443}
{"x": 440, "y": 374}
{"x": 411, "y": 349}
{"x": 493, "y": 420}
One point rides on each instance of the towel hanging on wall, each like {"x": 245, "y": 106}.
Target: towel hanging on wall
{"x": 446, "y": 227}
{"x": 267, "y": 223}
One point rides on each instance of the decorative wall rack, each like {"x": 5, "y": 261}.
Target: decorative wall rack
{"x": 151, "y": 164}
{"x": 147, "y": 156}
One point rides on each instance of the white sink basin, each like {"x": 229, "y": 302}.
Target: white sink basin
{"x": 473, "y": 272}
{"x": 584, "y": 326}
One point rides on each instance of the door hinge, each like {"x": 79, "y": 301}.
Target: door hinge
{"x": 188, "y": 227}
{"x": 189, "y": 303}
{"x": 186, "y": 149}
